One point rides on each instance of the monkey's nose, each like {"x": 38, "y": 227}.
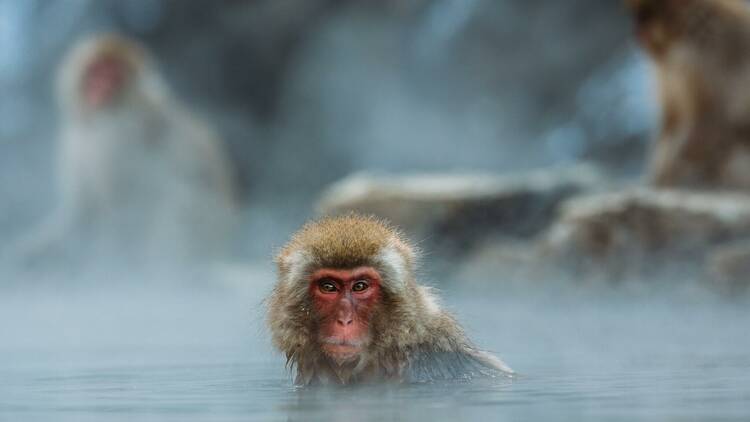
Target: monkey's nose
{"x": 344, "y": 320}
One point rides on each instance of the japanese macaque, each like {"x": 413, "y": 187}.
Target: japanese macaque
{"x": 137, "y": 172}
{"x": 347, "y": 309}
{"x": 700, "y": 52}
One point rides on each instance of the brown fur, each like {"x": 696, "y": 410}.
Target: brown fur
{"x": 412, "y": 339}
{"x": 357, "y": 240}
{"x": 699, "y": 48}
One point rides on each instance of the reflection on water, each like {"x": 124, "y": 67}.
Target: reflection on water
{"x": 152, "y": 354}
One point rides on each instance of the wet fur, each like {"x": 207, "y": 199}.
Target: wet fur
{"x": 412, "y": 339}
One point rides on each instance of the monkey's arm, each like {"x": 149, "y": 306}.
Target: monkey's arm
{"x": 45, "y": 241}
{"x": 48, "y": 238}
{"x": 202, "y": 156}
{"x": 664, "y": 166}
{"x": 427, "y": 364}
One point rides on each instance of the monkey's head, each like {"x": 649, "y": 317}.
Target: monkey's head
{"x": 345, "y": 285}
{"x": 662, "y": 24}
{"x": 99, "y": 71}
{"x": 657, "y": 22}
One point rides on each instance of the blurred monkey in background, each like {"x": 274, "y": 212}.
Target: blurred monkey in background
{"x": 138, "y": 175}
{"x": 700, "y": 52}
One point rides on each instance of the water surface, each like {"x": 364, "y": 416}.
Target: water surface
{"x": 198, "y": 353}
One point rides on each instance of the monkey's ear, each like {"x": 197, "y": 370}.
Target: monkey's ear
{"x": 398, "y": 264}
{"x": 410, "y": 252}
{"x": 292, "y": 264}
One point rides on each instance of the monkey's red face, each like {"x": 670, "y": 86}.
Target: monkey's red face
{"x": 103, "y": 81}
{"x": 344, "y": 300}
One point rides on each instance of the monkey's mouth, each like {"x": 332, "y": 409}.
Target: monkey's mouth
{"x": 342, "y": 350}
{"x": 102, "y": 93}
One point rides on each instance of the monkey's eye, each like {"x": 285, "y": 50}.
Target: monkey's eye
{"x": 360, "y": 286}
{"x": 327, "y": 286}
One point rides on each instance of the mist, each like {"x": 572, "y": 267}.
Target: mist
{"x": 305, "y": 94}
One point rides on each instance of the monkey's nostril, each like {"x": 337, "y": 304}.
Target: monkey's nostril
{"x": 345, "y": 321}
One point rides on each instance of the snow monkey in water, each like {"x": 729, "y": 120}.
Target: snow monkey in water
{"x": 137, "y": 172}
{"x": 700, "y": 52}
{"x": 347, "y": 309}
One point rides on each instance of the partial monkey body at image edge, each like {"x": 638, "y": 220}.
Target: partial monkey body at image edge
{"x": 347, "y": 308}
{"x": 699, "y": 52}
